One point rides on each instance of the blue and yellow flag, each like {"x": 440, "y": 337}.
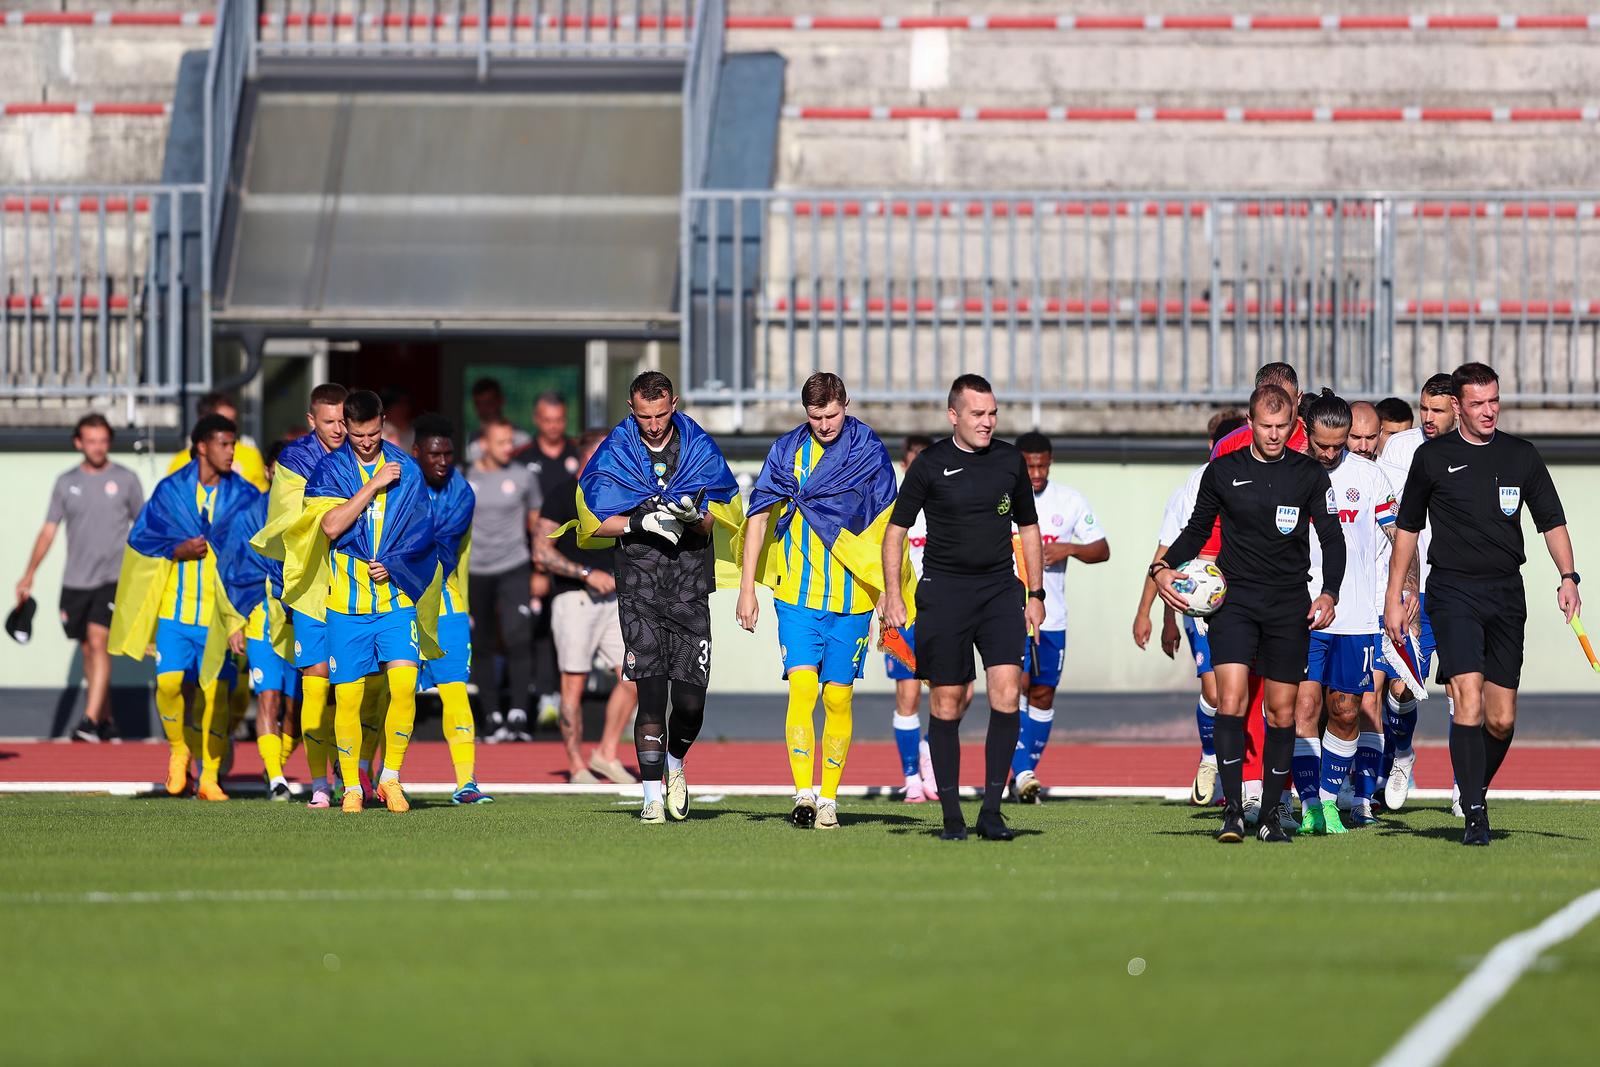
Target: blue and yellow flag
{"x": 407, "y": 549}
{"x": 251, "y": 578}
{"x": 620, "y": 477}
{"x": 287, "y": 497}
{"x": 453, "y": 505}
{"x": 167, "y": 520}
{"x": 845, "y": 501}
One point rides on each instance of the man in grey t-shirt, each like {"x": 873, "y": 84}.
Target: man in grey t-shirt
{"x": 500, "y": 576}
{"x": 98, "y": 500}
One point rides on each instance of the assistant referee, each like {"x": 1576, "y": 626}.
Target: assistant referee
{"x": 1268, "y": 496}
{"x": 971, "y": 488}
{"x": 1471, "y": 486}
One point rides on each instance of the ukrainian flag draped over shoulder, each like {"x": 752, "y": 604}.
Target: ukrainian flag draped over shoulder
{"x": 619, "y": 478}
{"x": 250, "y": 578}
{"x": 295, "y": 464}
{"x": 407, "y": 550}
{"x": 168, "y": 519}
{"x": 452, "y": 534}
{"x": 846, "y": 502}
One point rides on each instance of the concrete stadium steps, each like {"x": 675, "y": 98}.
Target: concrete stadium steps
{"x": 79, "y": 148}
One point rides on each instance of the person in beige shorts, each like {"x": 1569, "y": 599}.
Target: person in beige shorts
{"x": 586, "y": 629}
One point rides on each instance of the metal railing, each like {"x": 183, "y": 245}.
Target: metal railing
{"x": 483, "y": 30}
{"x": 1135, "y": 298}
{"x": 232, "y": 59}
{"x": 104, "y": 293}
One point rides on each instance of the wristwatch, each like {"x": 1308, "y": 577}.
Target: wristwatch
{"x": 584, "y": 572}
{"x": 1571, "y": 576}
{"x": 1036, "y": 594}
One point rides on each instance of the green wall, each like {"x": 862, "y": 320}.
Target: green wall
{"x": 1100, "y": 650}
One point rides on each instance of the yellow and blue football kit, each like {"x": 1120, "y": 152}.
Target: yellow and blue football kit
{"x": 824, "y": 623}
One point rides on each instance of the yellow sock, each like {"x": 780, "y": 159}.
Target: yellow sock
{"x": 402, "y": 718}
{"x": 214, "y": 714}
{"x": 287, "y": 742}
{"x": 458, "y": 729}
{"x": 271, "y": 748}
{"x": 800, "y": 730}
{"x": 314, "y": 724}
{"x": 373, "y": 706}
{"x": 169, "y": 705}
{"x": 836, "y": 724}
{"x": 347, "y": 730}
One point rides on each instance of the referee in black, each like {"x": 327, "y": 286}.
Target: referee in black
{"x": 972, "y": 488}
{"x": 1472, "y": 485}
{"x": 1268, "y": 497}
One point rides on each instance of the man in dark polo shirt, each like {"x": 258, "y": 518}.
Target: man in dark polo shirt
{"x": 1470, "y": 486}
{"x": 98, "y": 500}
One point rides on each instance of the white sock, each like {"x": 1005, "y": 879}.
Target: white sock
{"x": 674, "y": 763}
{"x": 1252, "y": 792}
{"x": 652, "y": 792}
{"x": 1206, "y": 709}
{"x": 388, "y": 776}
{"x": 906, "y": 722}
{"x": 1040, "y": 714}
{"x": 913, "y": 780}
{"x": 1210, "y": 760}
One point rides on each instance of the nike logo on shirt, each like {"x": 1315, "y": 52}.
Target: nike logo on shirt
{"x": 1231, "y": 762}
{"x": 1247, "y": 481}
{"x": 948, "y": 472}
{"x": 1452, "y": 470}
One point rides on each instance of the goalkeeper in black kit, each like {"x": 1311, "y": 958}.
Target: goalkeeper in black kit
{"x": 1268, "y": 497}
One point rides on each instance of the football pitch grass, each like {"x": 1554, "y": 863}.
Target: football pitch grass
{"x": 558, "y": 929}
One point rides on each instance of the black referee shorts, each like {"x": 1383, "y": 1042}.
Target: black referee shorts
{"x": 1265, "y": 629}
{"x": 954, "y": 615}
{"x": 80, "y": 607}
{"x": 1478, "y": 629}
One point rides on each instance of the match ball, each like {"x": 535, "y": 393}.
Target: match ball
{"x": 1202, "y": 585}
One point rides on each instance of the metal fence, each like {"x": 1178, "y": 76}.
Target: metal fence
{"x": 103, "y": 292}
{"x": 1118, "y": 298}
{"x": 482, "y": 30}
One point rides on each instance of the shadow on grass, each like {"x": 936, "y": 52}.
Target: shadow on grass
{"x": 1453, "y": 833}
{"x": 972, "y": 833}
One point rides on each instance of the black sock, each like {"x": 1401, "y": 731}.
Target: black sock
{"x": 688, "y": 715}
{"x": 1494, "y": 753}
{"x": 999, "y": 748}
{"x": 944, "y": 747}
{"x": 1228, "y": 737}
{"x": 650, "y": 728}
{"x": 1467, "y": 758}
{"x": 1277, "y": 758}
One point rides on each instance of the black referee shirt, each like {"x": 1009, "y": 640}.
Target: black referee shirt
{"x": 1266, "y": 509}
{"x": 971, "y": 499}
{"x": 1474, "y": 496}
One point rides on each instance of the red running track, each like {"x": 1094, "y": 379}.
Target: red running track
{"x": 735, "y": 763}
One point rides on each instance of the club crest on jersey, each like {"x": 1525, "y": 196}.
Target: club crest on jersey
{"x": 1004, "y": 507}
{"x": 1289, "y": 518}
{"x": 659, "y": 468}
{"x": 1510, "y": 497}
{"x": 1353, "y": 495}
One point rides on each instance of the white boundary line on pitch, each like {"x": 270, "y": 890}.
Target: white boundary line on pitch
{"x": 1436, "y": 1035}
{"x": 568, "y": 789}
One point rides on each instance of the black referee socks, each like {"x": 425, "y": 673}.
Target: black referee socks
{"x": 999, "y": 746}
{"x": 1228, "y": 737}
{"x": 944, "y": 747}
{"x": 1468, "y": 759}
{"x": 1277, "y": 757}
{"x": 1494, "y": 753}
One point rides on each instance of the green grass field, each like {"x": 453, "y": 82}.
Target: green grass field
{"x": 250, "y": 932}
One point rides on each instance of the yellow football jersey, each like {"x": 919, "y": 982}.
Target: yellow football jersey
{"x": 190, "y": 593}
{"x": 352, "y": 589}
{"x": 815, "y": 580}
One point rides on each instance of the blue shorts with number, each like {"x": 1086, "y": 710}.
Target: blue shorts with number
{"x": 893, "y": 667}
{"x": 269, "y": 671}
{"x": 359, "y": 644}
{"x": 455, "y": 637}
{"x": 1342, "y": 662}
{"x": 1200, "y": 645}
{"x": 310, "y": 640}
{"x": 835, "y": 644}
{"x": 1043, "y": 662}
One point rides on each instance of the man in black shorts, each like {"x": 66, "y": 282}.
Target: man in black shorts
{"x": 1470, "y": 486}
{"x": 650, "y": 484}
{"x": 971, "y": 489}
{"x": 1268, "y": 497}
{"x": 98, "y": 500}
